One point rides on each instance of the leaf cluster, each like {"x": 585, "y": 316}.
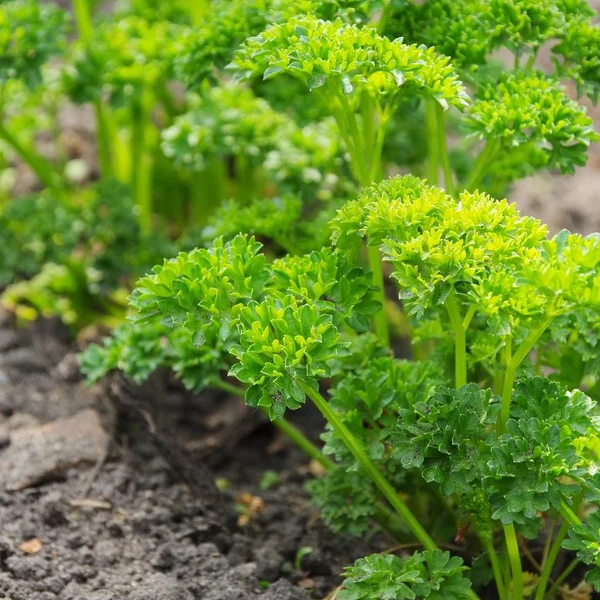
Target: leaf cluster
{"x": 430, "y": 574}
{"x": 531, "y": 109}
{"x": 346, "y": 57}
{"x": 31, "y": 32}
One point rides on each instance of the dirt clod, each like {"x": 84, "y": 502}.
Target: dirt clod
{"x": 40, "y": 453}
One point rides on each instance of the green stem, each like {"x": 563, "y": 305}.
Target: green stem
{"x": 140, "y": 165}
{"x": 207, "y": 191}
{"x": 482, "y": 165}
{"x": 375, "y": 170}
{"x": 381, "y": 324}
{"x": 39, "y": 165}
{"x": 432, "y": 143}
{"x": 512, "y": 547}
{"x": 443, "y": 148}
{"x": 548, "y": 542}
{"x": 561, "y": 578}
{"x": 105, "y": 139}
{"x": 496, "y": 568}
{"x": 549, "y": 564}
{"x": 384, "y": 516}
{"x": 460, "y": 343}
{"x": 568, "y": 515}
{"x": 385, "y": 15}
{"x": 83, "y": 17}
{"x": 378, "y": 479}
{"x": 511, "y": 370}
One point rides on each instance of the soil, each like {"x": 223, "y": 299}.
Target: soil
{"x": 145, "y": 521}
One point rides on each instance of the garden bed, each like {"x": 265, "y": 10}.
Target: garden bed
{"x": 135, "y": 525}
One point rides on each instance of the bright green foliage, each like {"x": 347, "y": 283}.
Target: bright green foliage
{"x": 282, "y": 347}
{"x": 470, "y": 30}
{"x": 580, "y": 51}
{"x": 585, "y": 540}
{"x": 136, "y": 352}
{"x": 225, "y": 25}
{"x": 203, "y": 288}
{"x": 344, "y": 57}
{"x": 370, "y": 400}
{"x": 529, "y": 463}
{"x": 432, "y": 574}
{"x": 273, "y": 218}
{"x": 442, "y": 437}
{"x": 223, "y": 121}
{"x": 351, "y": 11}
{"x": 326, "y": 279}
{"x": 138, "y": 349}
{"x": 524, "y": 108}
{"x": 122, "y": 59}
{"x": 30, "y": 33}
{"x": 176, "y": 11}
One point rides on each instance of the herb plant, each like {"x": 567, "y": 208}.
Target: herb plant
{"x": 254, "y": 143}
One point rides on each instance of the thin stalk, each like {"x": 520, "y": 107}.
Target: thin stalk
{"x": 385, "y": 16}
{"x": 561, "y": 578}
{"x": 460, "y": 344}
{"x": 381, "y": 324}
{"x": 39, "y": 165}
{"x": 140, "y": 164}
{"x": 568, "y": 515}
{"x": 375, "y": 170}
{"x": 511, "y": 370}
{"x": 83, "y": 17}
{"x": 378, "y": 479}
{"x": 384, "y": 516}
{"x": 443, "y": 148}
{"x": 496, "y": 568}
{"x": 548, "y": 543}
{"x": 482, "y": 165}
{"x": 361, "y": 456}
{"x": 512, "y": 547}
{"x": 207, "y": 191}
{"x": 105, "y": 139}
{"x": 469, "y": 316}
{"x": 432, "y": 143}
{"x": 549, "y": 565}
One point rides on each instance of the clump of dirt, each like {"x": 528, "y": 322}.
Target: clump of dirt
{"x": 135, "y": 514}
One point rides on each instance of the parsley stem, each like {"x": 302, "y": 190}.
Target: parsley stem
{"x": 443, "y": 148}
{"x": 432, "y": 143}
{"x": 284, "y": 426}
{"x": 460, "y": 343}
{"x": 512, "y": 547}
{"x": 380, "y": 318}
{"x": 378, "y": 479}
{"x": 38, "y": 164}
{"x": 141, "y": 173}
{"x": 385, "y": 16}
{"x": 496, "y": 568}
{"x": 384, "y": 516}
{"x": 560, "y": 579}
{"x": 482, "y": 165}
{"x": 511, "y": 370}
{"x": 83, "y": 17}
{"x": 549, "y": 564}
{"x": 361, "y": 456}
